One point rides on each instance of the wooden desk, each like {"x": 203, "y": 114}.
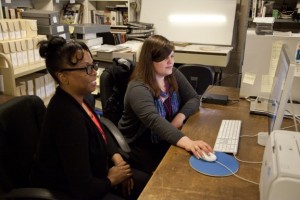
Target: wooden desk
{"x": 175, "y": 179}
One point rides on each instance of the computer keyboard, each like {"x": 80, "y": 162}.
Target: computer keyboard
{"x": 228, "y": 136}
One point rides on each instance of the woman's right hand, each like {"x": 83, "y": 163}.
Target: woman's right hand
{"x": 119, "y": 173}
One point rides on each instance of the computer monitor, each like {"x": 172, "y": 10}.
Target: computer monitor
{"x": 281, "y": 88}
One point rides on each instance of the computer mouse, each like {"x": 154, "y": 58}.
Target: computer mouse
{"x": 210, "y": 157}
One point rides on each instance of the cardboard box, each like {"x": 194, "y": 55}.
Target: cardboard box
{"x": 91, "y": 28}
{"x": 13, "y": 53}
{"x": 31, "y": 28}
{"x": 34, "y": 84}
{"x": 30, "y": 51}
{"x": 37, "y": 57}
{"x": 52, "y": 29}
{"x": 43, "y": 17}
{"x": 17, "y": 29}
{"x": 19, "y": 53}
{"x": 4, "y": 29}
{"x": 24, "y": 51}
{"x": 1, "y": 34}
{"x": 65, "y": 35}
{"x": 23, "y": 28}
{"x": 92, "y": 42}
{"x": 85, "y": 36}
{"x": 11, "y": 29}
{"x": 4, "y": 48}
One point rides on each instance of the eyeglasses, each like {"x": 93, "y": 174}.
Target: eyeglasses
{"x": 89, "y": 68}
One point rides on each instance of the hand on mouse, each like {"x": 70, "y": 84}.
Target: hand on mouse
{"x": 210, "y": 157}
{"x": 197, "y": 147}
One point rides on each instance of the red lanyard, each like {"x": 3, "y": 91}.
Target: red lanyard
{"x": 96, "y": 122}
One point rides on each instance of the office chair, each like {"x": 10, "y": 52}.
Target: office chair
{"x": 20, "y": 127}
{"x": 200, "y": 76}
{"x": 113, "y": 85}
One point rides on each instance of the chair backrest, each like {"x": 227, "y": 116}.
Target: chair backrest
{"x": 200, "y": 76}
{"x": 20, "y": 127}
{"x": 113, "y": 85}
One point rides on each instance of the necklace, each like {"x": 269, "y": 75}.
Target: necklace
{"x": 164, "y": 94}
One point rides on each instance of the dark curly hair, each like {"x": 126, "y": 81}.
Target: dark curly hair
{"x": 59, "y": 53}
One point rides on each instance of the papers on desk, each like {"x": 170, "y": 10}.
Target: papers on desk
{"x": 133, "y": 45}
{"x": 204, "y": 48}
{"x": 109, "y": 48}
{"x": 129, "y": 46}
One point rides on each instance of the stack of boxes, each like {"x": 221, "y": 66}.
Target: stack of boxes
{"x": 18, "y": 43}
{"x": 48, "y": 23}
{"x": 264, "y": 25}
{"x": 90, "y": 34}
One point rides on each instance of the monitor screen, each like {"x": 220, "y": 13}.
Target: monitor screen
{"x": 281, "y": 88}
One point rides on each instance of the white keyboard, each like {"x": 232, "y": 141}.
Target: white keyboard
{"x": 228, "y": 136}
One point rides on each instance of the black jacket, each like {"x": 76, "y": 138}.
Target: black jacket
{"x": 72, "y": 156}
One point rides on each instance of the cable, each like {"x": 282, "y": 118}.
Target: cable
{"x": 250, "y": 162}
{"x": 293, "y": 114}
{"x": 249, "y": 135}
{"x": 244, "y": 179}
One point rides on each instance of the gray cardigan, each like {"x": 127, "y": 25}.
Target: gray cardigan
{"x": 140, "y": 113}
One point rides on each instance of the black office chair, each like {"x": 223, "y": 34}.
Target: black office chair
{"x": 20, "y": 127}
{"x": 200, "y": 76}
{"x": 113, "y": 85}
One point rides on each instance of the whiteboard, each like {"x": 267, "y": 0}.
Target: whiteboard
{"x": 193, "y": 21}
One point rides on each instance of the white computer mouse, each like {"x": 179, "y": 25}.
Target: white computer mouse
{"x": 210, "y": 157}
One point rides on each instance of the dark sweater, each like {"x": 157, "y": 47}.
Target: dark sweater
{"x": 72, "y": 156}
{"x": 140, "y": 113}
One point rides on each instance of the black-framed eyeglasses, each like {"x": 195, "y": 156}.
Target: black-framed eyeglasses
{"x": 88, "y": 68}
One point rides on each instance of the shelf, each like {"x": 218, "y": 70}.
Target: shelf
{"x": 25, "y": 70}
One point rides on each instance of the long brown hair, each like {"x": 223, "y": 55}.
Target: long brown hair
{"x": 155, "y": 49}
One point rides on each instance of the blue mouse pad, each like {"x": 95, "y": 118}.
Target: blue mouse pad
{"x": 214, "y": 168}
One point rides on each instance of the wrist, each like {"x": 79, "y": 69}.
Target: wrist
{"x": 184, "y": 142}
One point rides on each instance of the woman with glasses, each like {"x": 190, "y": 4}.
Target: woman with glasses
{"x": 76, "y": 155}
{"x": 158, "y": 100}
